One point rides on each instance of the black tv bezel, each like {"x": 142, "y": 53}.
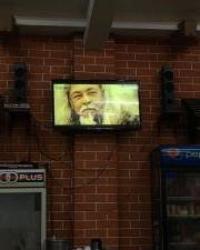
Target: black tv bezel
{"x": 82, "y": 128}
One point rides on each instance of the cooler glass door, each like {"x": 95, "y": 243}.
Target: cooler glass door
{"x": 20, "y": 221}
{"x": 182, "y": 210}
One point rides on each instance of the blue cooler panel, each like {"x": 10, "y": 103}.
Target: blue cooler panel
{"x": 185, "y": 155}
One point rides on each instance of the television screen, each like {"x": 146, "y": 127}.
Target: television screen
{"x": 96, "y": 104}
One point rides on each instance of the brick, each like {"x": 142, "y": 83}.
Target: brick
{"x": 60, "y": 69}
{"x": 38, "y": 53}
{"x": 54, "y": 61}
{"x": 85, "y": 60}
{"x": 86, "y": 155}
{"x": 146, "y": 56}
{"x": 59, "y": 54}
{"x": 94, "y": 68}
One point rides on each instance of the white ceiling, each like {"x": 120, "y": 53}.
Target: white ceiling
{"x": 97, "y": 19}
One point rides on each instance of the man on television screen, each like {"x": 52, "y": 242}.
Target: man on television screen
{"x": 95, "y": 104}
{"x": 87, "y": 102}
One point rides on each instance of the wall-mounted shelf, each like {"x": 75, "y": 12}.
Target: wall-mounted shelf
{"x": 17, "y": 107}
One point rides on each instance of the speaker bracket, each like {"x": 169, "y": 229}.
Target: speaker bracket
{"x": 16, "y": 113}
{"x": 17, "y": 107}
{"x": 171, "y": 120}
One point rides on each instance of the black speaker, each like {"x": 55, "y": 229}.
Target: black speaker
{"x": 167, "y": 90}
{"x": 20, "y": 83}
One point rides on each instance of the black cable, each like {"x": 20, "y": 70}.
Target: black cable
{"x": 117, "y": 136}
{"x": 101, "y": 172}
{"x": 71, "y": 190}
{"x": 70, "y": 194}
{"x": 29, "y": 137}
{"x": 42, "y": 149}
{"x": 35, "y": 128}
{"x": 50, "y": 204}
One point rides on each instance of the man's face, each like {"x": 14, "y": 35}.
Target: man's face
{"x": 86, "y": 99}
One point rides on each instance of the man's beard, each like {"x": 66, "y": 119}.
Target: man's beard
{"x": 90, "y": 119}
{"x": 89, "y": 115}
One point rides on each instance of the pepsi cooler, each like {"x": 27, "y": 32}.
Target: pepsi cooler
{"x": 176, "y": 197}
{"x": 23, "y": 207}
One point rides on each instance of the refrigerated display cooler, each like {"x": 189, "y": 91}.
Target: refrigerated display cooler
{"x": 176, "y": 197}
{"x": 23, "y": 207}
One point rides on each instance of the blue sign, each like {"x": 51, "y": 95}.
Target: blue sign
{"x": 185, "y": 155}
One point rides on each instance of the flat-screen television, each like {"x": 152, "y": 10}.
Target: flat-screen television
{"x": 96, "y": 105}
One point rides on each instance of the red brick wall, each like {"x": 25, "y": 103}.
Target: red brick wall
{"x": 99, "y": 185}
